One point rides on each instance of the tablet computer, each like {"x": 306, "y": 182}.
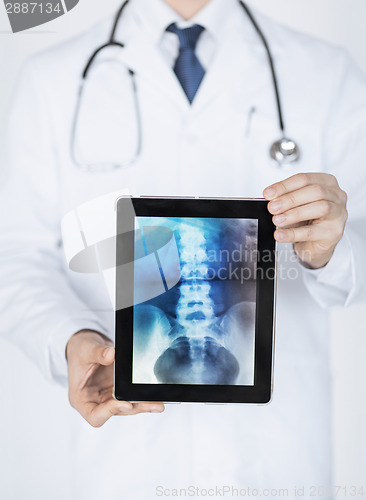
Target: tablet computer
{"x": 195, "y": 297}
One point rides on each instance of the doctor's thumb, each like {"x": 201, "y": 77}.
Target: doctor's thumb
{"x": 103, "y": 355}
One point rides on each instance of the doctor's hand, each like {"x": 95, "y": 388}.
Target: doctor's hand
{"x": 310, "y": 211}
{"x": 90, "y": 359}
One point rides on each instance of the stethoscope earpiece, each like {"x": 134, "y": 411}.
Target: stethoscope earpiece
{"x": 284, "y": 152}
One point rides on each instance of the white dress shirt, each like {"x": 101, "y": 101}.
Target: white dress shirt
{"x": 157, "y": 16}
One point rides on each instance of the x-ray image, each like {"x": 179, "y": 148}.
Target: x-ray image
{"x": 201, "y": 331}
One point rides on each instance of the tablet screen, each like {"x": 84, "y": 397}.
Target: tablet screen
{"x": 201, "y": 330}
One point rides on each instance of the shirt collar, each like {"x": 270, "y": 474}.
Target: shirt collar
{"x": 216, "y": 17}
{"x": 155, "y": 16}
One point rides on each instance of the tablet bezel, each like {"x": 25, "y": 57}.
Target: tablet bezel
{"x": 261, "y": 391}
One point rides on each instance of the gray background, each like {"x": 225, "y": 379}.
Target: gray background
{"x": 28, "y": 428}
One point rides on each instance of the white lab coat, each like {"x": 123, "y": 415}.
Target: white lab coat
{"x": 209, "y": 149}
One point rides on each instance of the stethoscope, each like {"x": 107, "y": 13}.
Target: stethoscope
{"x": 283, "y": 152}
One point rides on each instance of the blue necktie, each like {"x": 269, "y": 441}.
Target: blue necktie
{"x": 187, "y": 67}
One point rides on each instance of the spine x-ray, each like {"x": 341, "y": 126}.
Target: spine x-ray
{"x": 202, "y": 330}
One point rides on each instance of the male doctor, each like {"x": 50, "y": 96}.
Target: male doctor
{"x": 208, "y": 119}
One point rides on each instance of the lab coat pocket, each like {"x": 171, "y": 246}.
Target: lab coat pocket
{"x": 106, "y": 124}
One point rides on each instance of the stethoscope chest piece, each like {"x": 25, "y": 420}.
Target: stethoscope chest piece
{"x": 285, "y": 152}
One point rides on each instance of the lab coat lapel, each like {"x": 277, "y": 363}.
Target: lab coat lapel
{"x": 237, "y": 55}
{"x": 218, "y": 74}
{"x": 145, "y": 59}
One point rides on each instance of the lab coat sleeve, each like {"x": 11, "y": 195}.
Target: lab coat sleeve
{"x": 39, "y": 310}
{"x": 343, "y": 280}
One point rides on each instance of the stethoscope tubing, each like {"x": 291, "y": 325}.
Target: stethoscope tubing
{"x": 284, "y": 151}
